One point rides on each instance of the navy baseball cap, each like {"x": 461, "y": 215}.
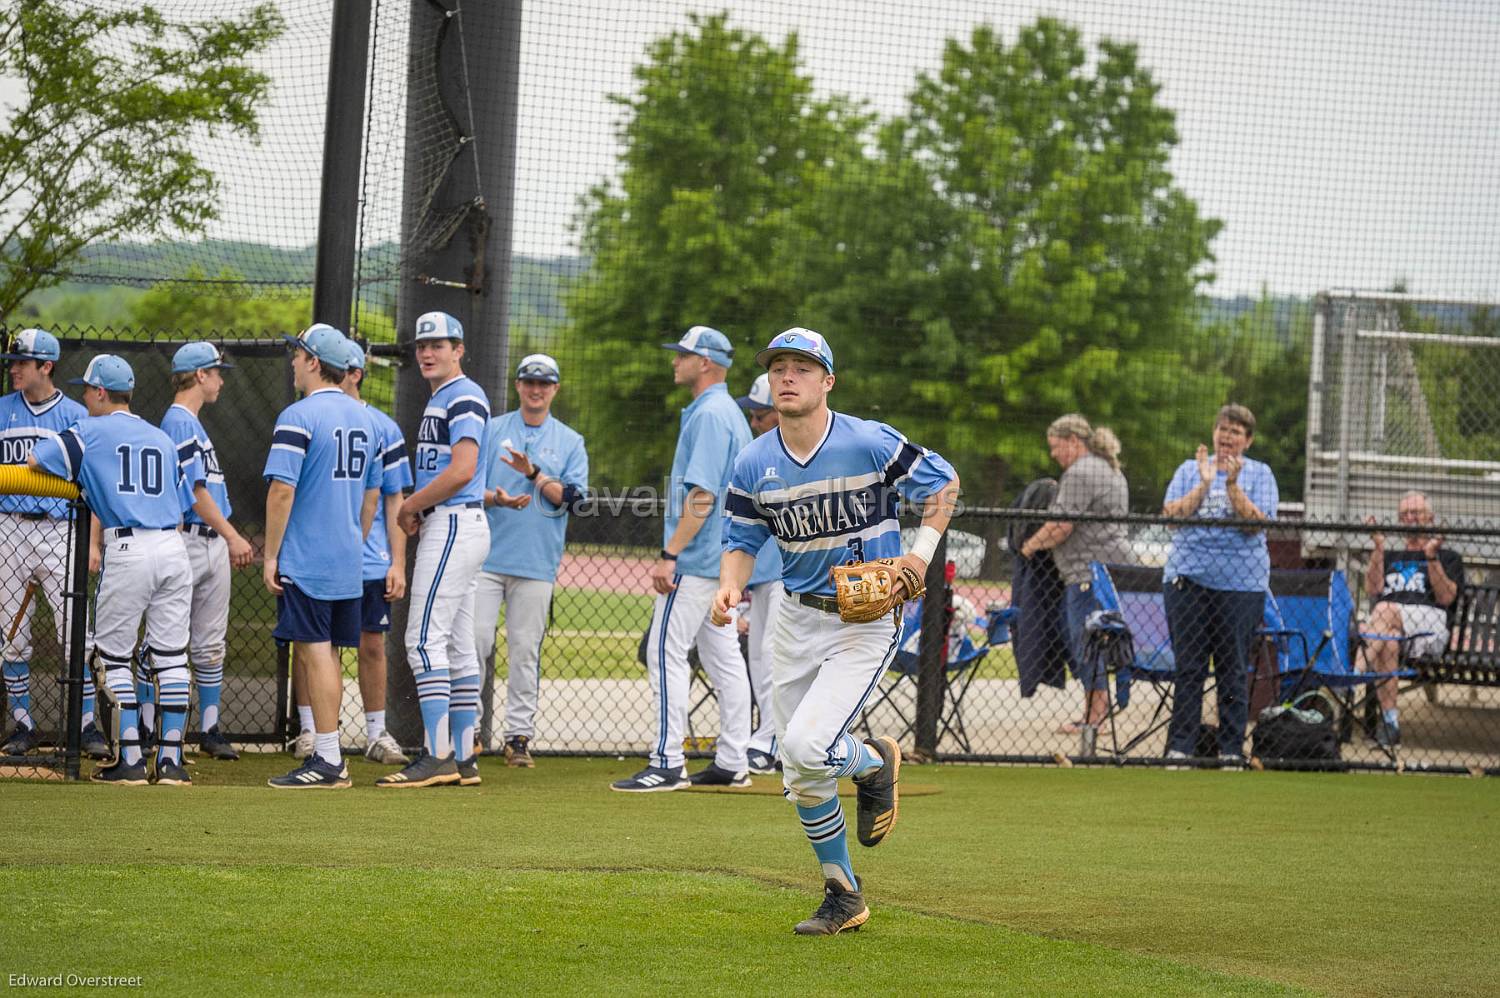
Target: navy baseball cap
{"x": 537, "y": 367}
{"x": 33, "y": 344}
{"x": 108, "y": 372}
{"x": 323, "y": 342}
{"x": 705, "y": 341}
{"x": 439, "y": 326}
{"x": 798, "y": 340}
{"x": 759, "y": 397}
{"x": 356, "y": 355}
{"x": 200, "y": 356}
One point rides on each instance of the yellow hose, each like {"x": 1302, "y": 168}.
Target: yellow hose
{"x": 17, "y": 479}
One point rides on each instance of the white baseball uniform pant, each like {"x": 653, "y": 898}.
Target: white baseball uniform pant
{"x": 451, "y": 549}
{"x": 823, "y": 671}
{"x": 526, "y": 603}
{"x": 679, "y": 619}
{"x": 765, "y": 603}
{"x": 32, "y": 550}
{"x": 209, "y": 557}
{"x": 145, "y": 573}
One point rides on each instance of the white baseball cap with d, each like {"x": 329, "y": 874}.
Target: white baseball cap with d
{"x": 759, "y": 397}
{"x": 439, "y": 326}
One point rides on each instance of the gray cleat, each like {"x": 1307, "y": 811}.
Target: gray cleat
{"x": 427, "y": 771}
{"x": 842, "y": 910}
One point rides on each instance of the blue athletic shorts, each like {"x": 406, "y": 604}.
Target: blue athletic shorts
{"x": 375, "y": 610}
{"x": 300, "y": 617}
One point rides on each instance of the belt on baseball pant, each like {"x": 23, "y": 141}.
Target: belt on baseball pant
{"x": 825, "y": 603}
{"x": 476, "y": 504}
{"x": 201, "y": 529}
{"x": 115, "y": 533}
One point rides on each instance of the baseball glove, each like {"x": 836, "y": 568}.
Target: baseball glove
{"x": 867, "y": 589}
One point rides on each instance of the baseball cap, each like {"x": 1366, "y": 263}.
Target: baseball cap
{"x": 108, "y": 372}
{"x": 705, "y": 341}
{"x": 798, "y": 340}
{"x": 323, "y": 342}
{"x": 759, "y": 397}
{"x": 439, "y": 326}
{"x": 33, "y": 344}
{"x": 537, "y": 367}
{"x": 198, "y": 356}
{"x": 356, "y": 355}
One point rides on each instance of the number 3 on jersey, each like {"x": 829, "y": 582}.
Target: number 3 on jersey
{"x": 856, "y": 550}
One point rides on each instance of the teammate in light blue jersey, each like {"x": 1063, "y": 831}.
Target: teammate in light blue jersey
{"x": 213, "y": 544}
{"x": 34, "y": 530}
{"x": 128, "y": 472}
{"x": 324, "y": 470}
{"x": 530, "y": 453}
{"x": 447, "y": 509}
{"x": 826, "y": 487}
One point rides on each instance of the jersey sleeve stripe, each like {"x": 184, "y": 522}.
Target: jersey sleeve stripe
{"x": 290, "y": 438}
{"x": 901, "y": 463}
{"x": 72, "y": 449}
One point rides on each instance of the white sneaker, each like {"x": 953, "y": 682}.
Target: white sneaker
{"x": 303, "y": 746}
{"x": 385, "y": 751}
{"x": 1174, "y": 754}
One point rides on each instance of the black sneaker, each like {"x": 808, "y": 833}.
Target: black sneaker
{"x": 21, "y": 741}
{"x": 171, "y": 774}
{"x": 93, "y": 744}
{"x": 651, "y": 780}
{"x": 842, "y": 910}
{"x": 427, "y": 771}
{"x": 215, "y": 744}
{"x": 876, "y": 793}
{"x": 762, "y": 763}
{"x": 468, "y": 772}
{"x": 717, "y": 776}
{"x": 518, "y": 752}
{"x": 314, "y": 774}
{"x": 121, "y": 774}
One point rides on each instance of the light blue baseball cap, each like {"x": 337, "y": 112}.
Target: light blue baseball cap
{"x": 705, "y": 341}
{"x": 33, "y": 344}
{"x": 356, "y": 355}
{"x": 199, "y": 356}
{"x": 798, "y": 340}
{"x": 758, "y": 399}
{"x": 108, "y": 372}
{"x": 323, "y": 342}
{"x": 439, "y": 326}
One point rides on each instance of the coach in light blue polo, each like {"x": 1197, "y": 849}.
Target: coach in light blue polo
{"x": 686, "y": 577}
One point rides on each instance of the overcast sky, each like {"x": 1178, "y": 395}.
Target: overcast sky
{"x": 1342, "y": 143}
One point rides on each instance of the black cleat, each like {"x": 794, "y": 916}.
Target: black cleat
{"x": 842, "y": 910}
{"x": 518, "y": 752}
{"x": 651, "y": 780}
{"x": 93, "y": 744}
{"x": 171, "y": 774}
{"x": 314, "y": 774}
{"x": 468, "y": 772}
{"x": 215, "y": 744}
{"x": 717, "y": 776}
{"x": 21, "y": 741}
{"x": 427, "y": 771}
{"x": 876, "y": 793}
{"x": 122, "y": 775}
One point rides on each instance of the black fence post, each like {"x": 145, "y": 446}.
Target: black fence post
{"x": 78, "y": 597}
{"x": 930, "y": 653}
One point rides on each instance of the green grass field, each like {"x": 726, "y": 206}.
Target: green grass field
{"x": 997, "y": 880}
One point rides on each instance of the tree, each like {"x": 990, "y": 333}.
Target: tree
{"x": 103, "y": 145}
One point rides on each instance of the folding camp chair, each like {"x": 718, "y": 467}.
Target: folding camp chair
{"x": 1134, "y": 593}
{"x": 898, "y": 689}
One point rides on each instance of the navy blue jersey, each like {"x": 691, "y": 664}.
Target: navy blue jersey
{"x": 457, "y": 411}
{"x": 126, "y": 467}
{"x": 22, "y": 424}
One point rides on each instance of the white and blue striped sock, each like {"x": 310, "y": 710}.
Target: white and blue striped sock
{"x": 824, "y": 826}
{"x": 435, "y": 695}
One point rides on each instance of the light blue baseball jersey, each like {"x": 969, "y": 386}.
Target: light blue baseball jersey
{"x": 838, "y": 506}
{"x": 22, "y": 424}
{"x": 327, "y": 448}
{"x": 1222, "y": 559}
{"x": 126, "y": 467}
{"x": 395, "y": 476}
{"x": 457, "y": 411}
{"x": 195, "y": 452}
{"x": 529, "y": 542}
{"x": 767, "y": 565}
{"x": 712, "y": 434}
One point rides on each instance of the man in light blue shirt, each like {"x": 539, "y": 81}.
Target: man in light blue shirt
{"x": 764, "y": 591}
{"x": 685, "y": 577}
{"x": 527, "y": 451}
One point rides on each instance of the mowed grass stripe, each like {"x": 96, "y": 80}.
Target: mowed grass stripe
{"x": 295, "y": 929}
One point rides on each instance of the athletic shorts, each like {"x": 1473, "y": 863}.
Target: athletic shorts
{"x": 304, "y": 618}
{"x": 1430, "y": 622}
{"x": 374, "y": 608}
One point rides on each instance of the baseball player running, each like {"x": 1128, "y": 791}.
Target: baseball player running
{"x": 213, "y": 545}
{"x": 129, "y": 475}
{"x": 34, "y": 531}
{"x": 713, "y": 431}
{"x": 447, "y": 509}
{"x": 764, "y": 592}
{"x": 324, "y": 469}
{"x": 826, "y": 486}
{"x": 525, "y": 450}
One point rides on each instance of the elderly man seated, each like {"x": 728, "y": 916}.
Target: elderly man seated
{"x": 1412, "y": 588}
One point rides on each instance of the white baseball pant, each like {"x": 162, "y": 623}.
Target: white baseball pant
{"x": 526, "y": 603}
{"x": 209, "y": 557}
{"x": 451, "y": 550}
{"x": 765, "y": 603}
{"x": 145, "y": 573}
{"x": 822, "y": 673}
{"x": 678, "y": 620}
{"x": 32, "y": 550}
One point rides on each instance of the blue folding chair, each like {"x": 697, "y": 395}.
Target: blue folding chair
{"x": 1134, "y": 592}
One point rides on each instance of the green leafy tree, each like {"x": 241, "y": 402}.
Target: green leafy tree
{"x": 104, "y": 143}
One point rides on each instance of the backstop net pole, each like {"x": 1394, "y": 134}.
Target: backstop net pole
{"x": 78, "y": 624}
